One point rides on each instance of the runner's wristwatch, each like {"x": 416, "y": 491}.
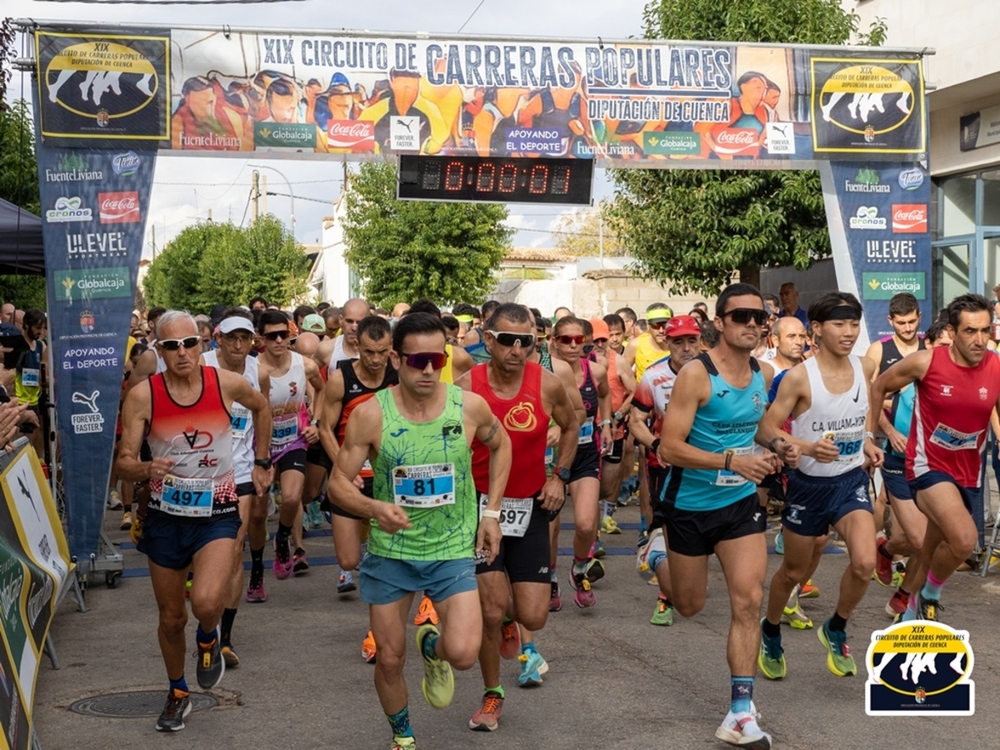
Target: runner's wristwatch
{"x": 561, "y": 472}
{"x": 264, "y": 463}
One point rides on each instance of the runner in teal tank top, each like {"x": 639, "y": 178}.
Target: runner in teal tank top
{"x": 425, "y": 528}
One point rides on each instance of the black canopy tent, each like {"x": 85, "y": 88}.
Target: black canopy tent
{"x": 20, "y": 241}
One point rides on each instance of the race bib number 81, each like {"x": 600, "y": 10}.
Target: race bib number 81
{"x": 427, "y": 486}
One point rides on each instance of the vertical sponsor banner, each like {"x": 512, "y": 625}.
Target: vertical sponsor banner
{"x": 34, "y": 565}
{"x": 94, "y": 206}
{"x": 884, "y": 210}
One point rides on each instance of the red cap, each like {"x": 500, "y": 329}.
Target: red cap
{"x": 682, "y": 325}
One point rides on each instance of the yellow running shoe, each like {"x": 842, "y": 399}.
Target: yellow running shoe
{"x": 438, "y": 684}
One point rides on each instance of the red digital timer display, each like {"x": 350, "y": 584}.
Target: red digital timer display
{"x": 495, "y": 180}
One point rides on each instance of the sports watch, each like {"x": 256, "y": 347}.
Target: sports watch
{"x": 264, "y": 463}
{"x": 562, "y": 472}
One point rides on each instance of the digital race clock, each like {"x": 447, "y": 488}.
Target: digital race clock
{"x": 495, "y": 179}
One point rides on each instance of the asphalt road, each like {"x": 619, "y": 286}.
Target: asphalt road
{"x": 615, "y": 681}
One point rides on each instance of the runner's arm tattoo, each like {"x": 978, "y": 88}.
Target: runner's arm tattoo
{"x": 492, "y": 433}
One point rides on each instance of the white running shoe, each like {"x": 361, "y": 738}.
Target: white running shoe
{"x": 115, "y": 500}
{"x": 742, "y": 730}
{"x": 656, "y": 543}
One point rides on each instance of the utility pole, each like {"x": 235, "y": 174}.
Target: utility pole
{"x": 600, "y": 236}
{"x": 255, "y": 195}
{"x": 154, "y": 241}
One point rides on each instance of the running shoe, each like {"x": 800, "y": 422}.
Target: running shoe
{"x": 656, "y": 544}
{"x": 610, "y": 526}
{"x": 838, "y": 653}
{"x": 883, "y": 563}
{"x": 897, "y": 603}
{"x": 597, "y": 549}
{"x": 582, "y": 595}
{"x": 345, "y": 583}
{"x": 779, "y": 542}
{"x": 426, "y": 613}
{"x": 741, "y": 729}
{"x": 282, "y": 565}
{"x": 229, "y": 656}
{"x": 643, "y": 538}
{"x": 403, "y": 743}
{"x": 771, "y": 658}
{"x": 136, "y": 531}
{"x": 486, "y": 718}
{"x": 368, "y": 648}
{"x": 211, "y": 666}
{"x": 255, "y": 590}
{"x": 438, "y": 684}
{"x": 663, "y": 614}
{"x": 126, "y": 523}
{"x": 595, "y": 570}
{"x": 114, "y": 500}
{"x": 315, "y": 515}
{"x": 299, "y": 562}
{"x": 510, "y": 645}
{"x": 809, "y": 591}
{"x": 795, "y": 617}
{"x": 927, "y": 609}
{"x": 555, "y": 600}
{"x": 533, "y": 666}
{"x": 188, "y": 584}
{"x": 173, "y": 715}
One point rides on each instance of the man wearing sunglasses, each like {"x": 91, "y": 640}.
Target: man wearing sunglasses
{"x": 426, "y": 528}
{"x": 522, "y": 396}
{"x": 234, "y": 338}
{"x": 707, "y": 438}
{"x": 193, "y": 516}
{"x": 294, "y": 429}
{"x": 827, "y": 397}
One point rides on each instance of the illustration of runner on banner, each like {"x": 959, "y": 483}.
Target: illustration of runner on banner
{"x": 106, "y": 87}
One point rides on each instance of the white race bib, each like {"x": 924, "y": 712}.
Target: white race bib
{"x": 953, "y": 440}
{"x": 849, "y": 443}
{"x": 241, "y": 421}
{"x": 515, "y": 514}
{"x": 586, "y": 432}
{"x": 285, "y": 430}
{"x": 427, "y": 486}
{"x": 29, "y": 377}
{"x": 191, "y": 498}
{"x": 731, "y": 478}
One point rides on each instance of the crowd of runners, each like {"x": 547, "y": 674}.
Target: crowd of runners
{"x": 441, "y": 448}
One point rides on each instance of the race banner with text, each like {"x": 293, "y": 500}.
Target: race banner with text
{"x": 690, "y": 103}
{"x": 884, "y": 212}
{"x": 94, "y": 206}
{"x": 34, "y": 566}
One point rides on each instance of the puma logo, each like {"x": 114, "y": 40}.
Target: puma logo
{"x": 404, "y": 124}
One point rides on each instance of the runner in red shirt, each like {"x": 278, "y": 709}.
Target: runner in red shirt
{"x": 957, "y": 389}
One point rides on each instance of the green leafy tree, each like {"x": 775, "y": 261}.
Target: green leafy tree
{"x": 404, "y": 250}
{"x": 694, "y": 228}
{"x": 209, "y": 264}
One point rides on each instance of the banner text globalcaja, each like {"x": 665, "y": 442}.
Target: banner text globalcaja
{"x": 693, "y": 69}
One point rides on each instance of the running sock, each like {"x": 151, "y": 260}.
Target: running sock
{"x": 228, "y": 615}
{"x": 203, "y": 638}
{"x": 609, "y": 508}
{"x": 498, "y": 690}
{"x": 769, "y": 629}
{"x": 742, "y": 694}
{"x": 528, "y": 647}
{"x": 257, "y": 560}
{"x": 932, "y": 588}
{"x": 837, "y": 622}
{"x": 400, "y": 723}
{"x": 654, "y": 559}
{"x": 284, "y": 531}
{"x": 428, "y": 646}
{"x": 881, "y": 549}
{"x": 580, "y": 564}
{"x": 553, "y": 576}
{"x": 643, "y": 527}
{"x": 179, "y": 684}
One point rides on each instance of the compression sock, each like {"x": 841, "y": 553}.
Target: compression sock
{"x": 742, "y": 694}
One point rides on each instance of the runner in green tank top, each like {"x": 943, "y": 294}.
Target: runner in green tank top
{"x": 425, "y": 529}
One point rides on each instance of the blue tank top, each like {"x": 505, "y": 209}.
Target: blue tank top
{"x": 902, "y": 415}
{"x": 728, "y": 422}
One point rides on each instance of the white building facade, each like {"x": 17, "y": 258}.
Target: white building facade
{"x": 963, "y": 78}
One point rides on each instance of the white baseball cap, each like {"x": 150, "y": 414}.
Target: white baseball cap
{"x": 236, "y": 323}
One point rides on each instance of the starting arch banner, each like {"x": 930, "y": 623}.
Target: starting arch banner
{"x": 110, "y": 100}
